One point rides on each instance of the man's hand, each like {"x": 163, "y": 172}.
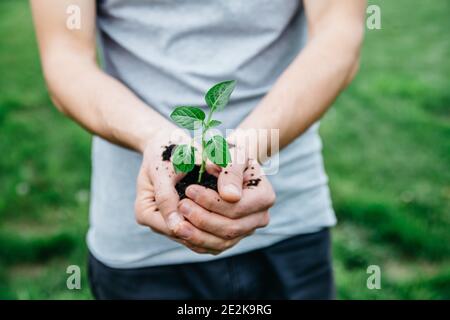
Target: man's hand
{"x": 156, "y": 191}
{"x": 157, "y": 203}
{"x": 239, "y": 216}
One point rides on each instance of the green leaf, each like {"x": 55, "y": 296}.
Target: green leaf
{"x": 214, "y": 123}
{"x": 183, "y": 158}
{"x": 188, "y": 117}
{"x": 217, "y": 97}
{"x": 217, "y": 151}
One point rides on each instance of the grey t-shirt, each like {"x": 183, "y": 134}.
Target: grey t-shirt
{"x": 169, "y": 52}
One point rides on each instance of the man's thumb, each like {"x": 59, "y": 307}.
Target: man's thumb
{"x": 230, "y": 183}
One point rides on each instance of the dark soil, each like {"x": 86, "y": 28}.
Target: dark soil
{"x": 167, "y": 153}
{"x": 208, "y": 181}
{"x": 253, "y": 182}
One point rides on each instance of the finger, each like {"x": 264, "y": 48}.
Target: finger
{"x": 166, "y": 197}
{"x": 165, "y": 170}
{"x": 220, "y": 225}
{"x": 198, "y": 238}
{"x": 213, "y": 169}
{"x": 199, "y": 249}
{"x": 258, "y": 194}
{"x": 253, "y": 200}
{"x": 230, "y": 182}
{"x": 154, "y": 221}
{"x": 145, "y": 192}
{"x": 251, "y": 172}
{"x": 147, "y": 213}
{"x": 145, "y": 198}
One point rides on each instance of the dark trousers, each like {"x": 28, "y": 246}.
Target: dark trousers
{"x": 295, "y": 268}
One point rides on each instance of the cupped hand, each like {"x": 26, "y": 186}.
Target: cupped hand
{"x": 157, "y": 200}
{"x": 240, "y": 206}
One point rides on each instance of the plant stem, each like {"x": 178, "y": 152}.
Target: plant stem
{"x": 204, "y": 129}
{"x": 202, "y": 169}
{"x": 203, "y": 165}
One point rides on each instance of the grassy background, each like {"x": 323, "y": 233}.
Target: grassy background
{"x": 386, "y": 145}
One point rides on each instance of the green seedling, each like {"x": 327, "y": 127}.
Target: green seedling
{"x": 193, "y": 118}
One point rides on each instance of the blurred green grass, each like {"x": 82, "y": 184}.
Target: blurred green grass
{"x": 386, "y": 146}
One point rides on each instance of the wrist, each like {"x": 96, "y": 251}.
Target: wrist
{"x": 164, "y": 137}
{"x": 145, "y": 140}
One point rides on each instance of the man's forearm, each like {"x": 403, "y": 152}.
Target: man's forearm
{"x": 307, "y": 88}
{"x": 100, "y": 103}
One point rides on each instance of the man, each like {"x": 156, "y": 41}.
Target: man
{"x": 290, "y": 59}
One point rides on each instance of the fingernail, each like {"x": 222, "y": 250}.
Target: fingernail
{"x": 185, "y": 209}
{"x": 184, "y": 232}
{"x": 232, "y": 190}
{"x": 191, "y": 192}
{"x": 174, "y": 220}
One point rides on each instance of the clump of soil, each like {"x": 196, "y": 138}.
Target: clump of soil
{"x": 208, "y": 181}
{"x": 167, "y": 153}
{"x": 253, "y": 182}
